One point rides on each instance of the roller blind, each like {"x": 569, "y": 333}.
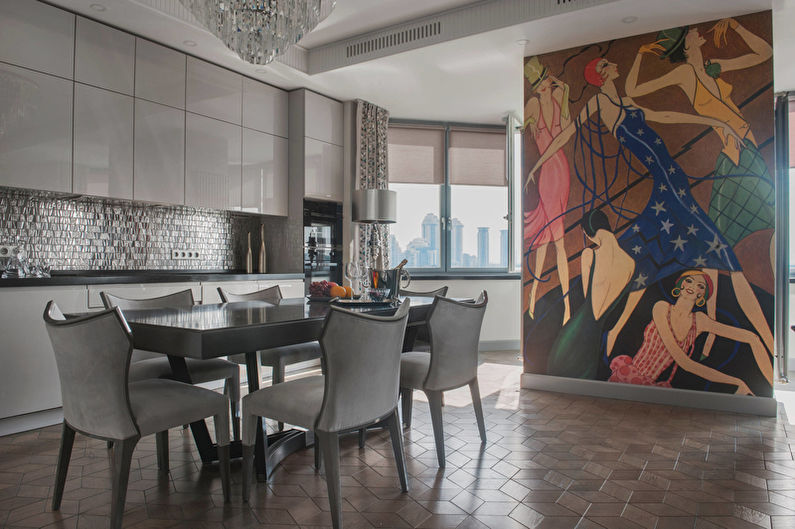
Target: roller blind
{"x": 477, "y": 157}
{"x": 416, "y": 155}
{"x": 792, "y": 134}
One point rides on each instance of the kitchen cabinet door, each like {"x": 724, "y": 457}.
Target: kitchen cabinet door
{"x": 104, "y": 57}
{"x": 36, "y": 142}
{"x": 323, "y": 118}
{"x": 103, "y": 147}
{"x": 264, "y": 108}
{"x": 159, "y": 163}
{"x": 323, "y": 170}
{"x": 265, "y": 177}
{"x": 212, "y": 163}
{"x": 214, "y": 92}
{"x": 159, "y": 74}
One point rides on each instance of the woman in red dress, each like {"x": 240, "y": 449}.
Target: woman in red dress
{"x": 546, "y": 115}
{"x": 670, "y": 336}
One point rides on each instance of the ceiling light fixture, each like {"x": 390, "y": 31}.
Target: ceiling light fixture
{"x": 261, "y": 70}
{"x": 522, "y": 42}
{"x": 629, "y": 20}
{"x": 189, "y": 43}
{"x": 98, "y": 7}
{"x": 261, "y": 30}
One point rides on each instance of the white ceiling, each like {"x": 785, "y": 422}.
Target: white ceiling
{"x": 475, "y": 79}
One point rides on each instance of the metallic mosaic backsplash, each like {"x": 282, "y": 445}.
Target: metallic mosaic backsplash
{"x": 86, "y": 233}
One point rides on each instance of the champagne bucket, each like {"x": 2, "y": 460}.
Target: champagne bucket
{"x": 391, "y": 279}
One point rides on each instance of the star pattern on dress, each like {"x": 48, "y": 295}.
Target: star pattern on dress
{"x": 716, "y": 245}
{"x": 666, "y": 226}
{"x": 658, "y": 207}
{"x": 692, "y": 230}
{"x": 636, "y": 249}
{"x": 633, "y": 114}
{"x": 636, "y": 228}
{"x": 694, "y": 208}
{"x": 649, "y": 159}
{"x": 699, "y": 261}
{"x": 663, "y": 188}
{"x": 622, "y": 139}
{"x": 671, "y": 170}
{"x": 681, "y": 193}
{"x": 679, "y": 243}
{"x": 657, "y": 141}
{"x": 640, "y": 132}
{"x": 640, "y": 281}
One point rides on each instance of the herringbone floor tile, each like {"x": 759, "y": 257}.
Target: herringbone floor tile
{"x": 552, "y": 461}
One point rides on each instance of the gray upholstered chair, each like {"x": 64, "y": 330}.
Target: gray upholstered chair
{"x": 421, "y": 340}
{"x": 278, "y": 357}
{"x": 146, "y": 365}
{"x": 93, "y": 358}
{"x": 360, "y": 387}
{"x": 454, "y": 328}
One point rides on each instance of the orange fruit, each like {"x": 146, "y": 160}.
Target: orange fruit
{"x": 337, "y": 292}
{"x": 348, "y": 291}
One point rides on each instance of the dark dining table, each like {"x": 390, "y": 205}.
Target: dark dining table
{"x": 211, "y": 331}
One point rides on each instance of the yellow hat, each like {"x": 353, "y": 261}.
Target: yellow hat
{"x": 535, "y": 71}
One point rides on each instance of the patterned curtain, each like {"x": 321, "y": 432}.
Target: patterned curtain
{"x": 371, "y": 173}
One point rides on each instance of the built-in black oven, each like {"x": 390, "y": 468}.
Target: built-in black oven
{"x": 322, "y": 242}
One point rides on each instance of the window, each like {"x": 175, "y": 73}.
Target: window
{"x": 454, "y": 200}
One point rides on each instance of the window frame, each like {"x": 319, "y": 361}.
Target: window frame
{"x": 445, "y": 268}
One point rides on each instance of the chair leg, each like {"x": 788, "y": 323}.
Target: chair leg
{"x": 435, "y": 403}
{"x": 474, "y": 389}
{"x": 122, "y": 458}
{"x": 393, "y": 423}
{"x": 65, "y": 454}
{"x": 221, "y": 421}
{"x": 232, "y": 390}
{"x": 329, "y": 444}
{"x": 277, "y": 377}
{"x": 318, "y": 458}
{"x": 161, "y": 444}
{"x": 406, "y": 402}
{"x": 249, "y": 439}
{"x": 362, "y": 437}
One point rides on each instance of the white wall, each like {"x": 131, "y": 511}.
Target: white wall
{"x": 502, "y": 323}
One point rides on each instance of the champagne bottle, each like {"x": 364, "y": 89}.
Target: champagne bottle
{"x": 249, "y": 258}
{"x": 262, "y": 265}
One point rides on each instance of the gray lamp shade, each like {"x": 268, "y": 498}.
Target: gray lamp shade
{"x": 376, "y": 206}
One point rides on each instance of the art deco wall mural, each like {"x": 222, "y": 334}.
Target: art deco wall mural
{"x": 649, "y": 209}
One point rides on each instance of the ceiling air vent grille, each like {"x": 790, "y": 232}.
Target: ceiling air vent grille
{"x": 392, "y": 39}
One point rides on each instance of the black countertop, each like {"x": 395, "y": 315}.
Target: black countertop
{"x": 106, "y": 277}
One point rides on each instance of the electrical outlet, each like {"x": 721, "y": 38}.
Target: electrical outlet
{"x": 6, "y": 250}
{"x": 184, "y": 254}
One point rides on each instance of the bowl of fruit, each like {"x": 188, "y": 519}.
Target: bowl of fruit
{"x": 328, "y": 290}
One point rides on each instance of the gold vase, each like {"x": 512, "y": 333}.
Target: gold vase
{"x": 249, "y": 257}
{"x": 262, "y": 263}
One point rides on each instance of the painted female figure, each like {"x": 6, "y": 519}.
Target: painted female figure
{"x": 743, "y": 196}
{"x": 546, "y": 115}
{"x": 670, "y": 337}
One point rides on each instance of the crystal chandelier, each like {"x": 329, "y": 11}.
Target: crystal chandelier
{"x": 259, "y": 30}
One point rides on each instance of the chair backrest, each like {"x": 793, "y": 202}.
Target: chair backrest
{"x": 454, "y": 328}
{"x": 182, "y": 300}
{"x": 442, "y": 291}
{"x": 270, "y": 294}
{"x": 93, "y": 358}
{"x": 362, "y": 358}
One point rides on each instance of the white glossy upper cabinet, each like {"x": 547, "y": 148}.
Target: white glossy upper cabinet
{"x": 159, "y": 166}
{"x": 36, "y": 141}
{"x": 323, "y": 170}
{"x": 103, "y": 145}
{"x": 37, "y": 36}
{"x": 214, "y": 92}
{"x": 323, "y": 118}
{"x": 264, "y": 108}
{"x": 104, "y": 57}
{"x": 159, "y": 74}
{"x": 212, "y": 163}
{"x": 264, "y": 173}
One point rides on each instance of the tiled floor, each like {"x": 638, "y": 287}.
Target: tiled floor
{"x": 552, "y": 461}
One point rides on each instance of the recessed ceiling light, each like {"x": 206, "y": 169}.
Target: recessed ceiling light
{"x": 261, "y": 70}
{"x": 98, "y": 7}
{"x": 629, "y": 20}
{"x": 522, "y": 42}
{"x": 189, "y": 43}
